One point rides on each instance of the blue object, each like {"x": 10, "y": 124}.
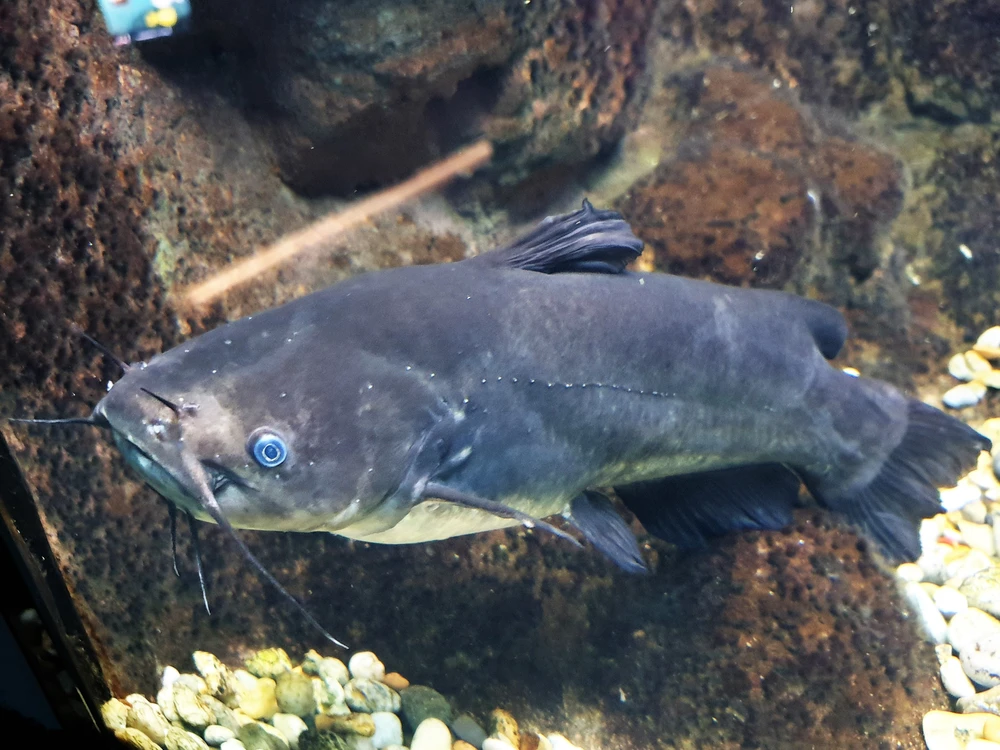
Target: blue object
{"x": 138, "y": 20}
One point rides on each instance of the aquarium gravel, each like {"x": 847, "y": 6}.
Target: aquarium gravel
{"x": 953, "y": 589}
{"x": 318, "y": 704}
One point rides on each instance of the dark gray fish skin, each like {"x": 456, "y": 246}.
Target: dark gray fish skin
{"x": 527, "y": 388}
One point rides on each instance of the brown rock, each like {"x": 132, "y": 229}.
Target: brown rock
{"x": 360, "y": 724}
{"x": 396, "y": 681}
{"x": 502, "y": 723}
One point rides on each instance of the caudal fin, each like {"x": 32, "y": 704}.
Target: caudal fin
{"x": 935, "y": 451}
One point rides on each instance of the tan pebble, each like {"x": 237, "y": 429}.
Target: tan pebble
{"x": 977, "y": 362}
{"x": 396, "y": 681}
{"x": 978, "y": 536}
{"x": 462, "y": 745}
{"x": 988, "y": 343}
{"x": 360, "y": 724}
{"x": 270, "y": 662}
{"x": 178, "y": 739}
{"x": 990, "y": 379}
{"x": 981, "y": 744}
{"x": 135, "y": 738}
{"x": 257, "y": 700}
{"x": 910, "y": 572}
{"x": 991, "y": 730}
{"x": 502, "y": 724}
{"x": 325, "y": 722}
{"x": 114, "y": 712}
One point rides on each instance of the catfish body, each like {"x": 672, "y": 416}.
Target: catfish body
{"x": 413, "y": 403}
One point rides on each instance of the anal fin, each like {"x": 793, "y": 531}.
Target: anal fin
{"x": 688, "y": 509}
{"x": 596, "y": 518}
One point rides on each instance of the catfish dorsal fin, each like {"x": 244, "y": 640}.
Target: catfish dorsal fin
{"x": 585, "y": 241}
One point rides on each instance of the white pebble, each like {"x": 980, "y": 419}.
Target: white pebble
{"x": 497, "y": 743}
{"x": 388, "y": 730}
{"x": 976, "y": 510}
{"x": 967, "y": 566}
{"x": 964, "y": 395}
{"x": 956, "y": 498}
{"x": 910, "y": 572}
{"x": 982, "y": 660}
{"x": 170, "y": 675}
{"x": 290, "y": 726}
{"x": 943, "y": 652}
{"x": 365, "y": 664}
{"x": 559, "y": 742}
{"x": 959, "y": 368}
{"x": 930, "y": 619}
{"x": 980, "y": 744}
{"x": 932, "y": 561}
{"x": 216, "y": 735}
{"x": 954, "y": 679}
{"x": 432, "y": 734}
{"x": 949, "y": 601}
{"x": 965, "y": 627}
{"x": 233, "y": 744}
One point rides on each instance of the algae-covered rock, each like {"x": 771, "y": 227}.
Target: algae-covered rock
{"x": 135, "y": 739}
{"x": 312, "y": 739}
{"x": 419, "y": 702}
{"x": 295, "y": 694}
{"x": 271, "y": 662}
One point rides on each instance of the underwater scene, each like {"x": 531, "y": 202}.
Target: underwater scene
{"x": 504, "y": 374}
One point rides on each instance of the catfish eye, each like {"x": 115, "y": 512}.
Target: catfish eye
{"x": 267, "y": 447}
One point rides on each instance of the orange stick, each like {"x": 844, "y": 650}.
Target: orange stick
{"x": 321, "y": 232}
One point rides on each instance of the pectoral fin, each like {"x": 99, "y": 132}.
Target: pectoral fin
{"x": 596, "y": 518}
{"x": 466, "y": 500}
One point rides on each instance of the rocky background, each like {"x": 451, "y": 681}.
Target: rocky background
{"x": 845, "y": 149}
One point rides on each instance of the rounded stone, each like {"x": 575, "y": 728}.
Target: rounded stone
{"x": 396, "y": 681}
{"x": 432, "y": 734}
{"x": 149, "y": 720}
{"x": 178, "y": 739}
{"x": 931, "y": 621}
{"x": 215, "y": 735}
{"x": 420, "y": 702}
{"x": 502, "y": 724}
{"x": 467, "y": 728}
{"x": 949, "y": 601}
{"x": 982, "y": 590}
{"x": 497, "y": 743}
{"x": 165, "y": 700}
{"x": 295, "y": 694}
{"x": 233, "y": 744}
{"x": 217, "y": 676}
{"x": 290, "y": 726}
{"x": 388, "y": 730}
{"x": 194, "y": 682}
{"x": 191, "y": 708}
{"x": 968, "y": 626}
{"x": 327, "y": 669}
{"x": 369, "y": 696}
{"x": 258, "y": 736}
{"x": 270, "y": 662}
{"x": 255, "y": 697}
{"x": 954, "y": 679}
{"x": 365, "y": 664}
{"x": 134, "y": 738}
{"x": 981, "y": 661}
{"x": 114, "y": 714}
{"x": 359, "y": 724}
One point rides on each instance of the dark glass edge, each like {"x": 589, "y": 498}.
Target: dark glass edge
{"x": 36, "y": 573}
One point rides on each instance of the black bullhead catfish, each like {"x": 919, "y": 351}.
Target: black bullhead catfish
{"x": 422, "y": 403}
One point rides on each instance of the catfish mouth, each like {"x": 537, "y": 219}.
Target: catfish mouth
{"x": 167, "y": 484}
